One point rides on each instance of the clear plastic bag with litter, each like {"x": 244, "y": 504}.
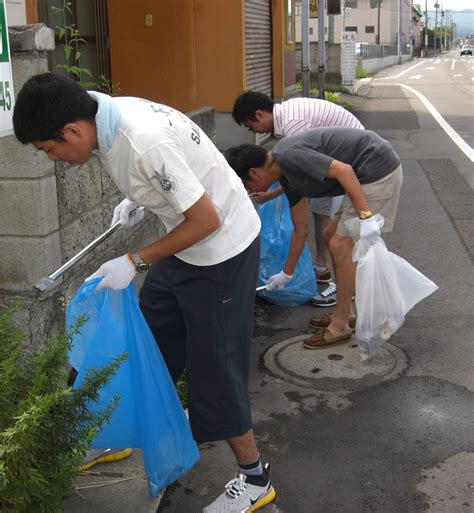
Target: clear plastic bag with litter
{"x": 387, "y": 288}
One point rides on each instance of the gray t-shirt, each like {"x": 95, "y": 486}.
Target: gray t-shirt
{"x": 304, "y": 160}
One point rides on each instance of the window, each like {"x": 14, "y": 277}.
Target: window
{"x": 351, "y": 3}
{"x": 351, "y": 29}
{"x": 334, "y": 6}
{"x": 369, "y": 29}
{"x": 375, "y": 3}
{"x": 310, "y": 31}
{"x": 89, "y": 17}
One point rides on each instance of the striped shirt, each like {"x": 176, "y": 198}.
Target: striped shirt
{"x": 300, "y": 114}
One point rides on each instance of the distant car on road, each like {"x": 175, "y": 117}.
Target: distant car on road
{"x": 466, "y": 49}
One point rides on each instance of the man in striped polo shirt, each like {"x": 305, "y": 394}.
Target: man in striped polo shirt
{"x": 260, "y": 114}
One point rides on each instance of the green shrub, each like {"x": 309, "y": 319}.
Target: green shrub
{"x": 45, "y": 426}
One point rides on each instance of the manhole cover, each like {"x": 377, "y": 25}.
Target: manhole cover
{"x": 336, "y": 368}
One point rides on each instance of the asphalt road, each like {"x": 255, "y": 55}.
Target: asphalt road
{"x": 405, "y": 443}
{"x": 448, "y": 83}
{"x": 446, "y": 86}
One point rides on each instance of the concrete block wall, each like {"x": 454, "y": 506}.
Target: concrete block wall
{"x": 333, "y": 59}
{"x": 49, "y": 212}
{"x": 372, "y": 65}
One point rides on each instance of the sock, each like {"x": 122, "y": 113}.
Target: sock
{"x": 320, "y": 268}
{"x": 252, "y": 469}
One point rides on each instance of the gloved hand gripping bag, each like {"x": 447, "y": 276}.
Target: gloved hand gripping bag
{"x": 387, "y": 288}
{"x": 149, "y": 415}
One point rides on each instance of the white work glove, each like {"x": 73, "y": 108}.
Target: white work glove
{"x": 369, "y": 232}
{"x": 122, "y": 213}
{"x": 117, "y": 274}
{"x": 278, "y": 281}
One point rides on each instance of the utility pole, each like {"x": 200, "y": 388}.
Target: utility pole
{"x": 399, "y": 38}
{"x": 436, "y": 27}
{"x": 305, "y": 68}
{"x": 377, "y": 39}
{"x": 426, "y": 28}
{"x": 321, "y": 48}
{"x": 446, "y": 29}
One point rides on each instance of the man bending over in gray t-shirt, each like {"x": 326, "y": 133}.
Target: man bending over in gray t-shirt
{"x": 328, "y": 162}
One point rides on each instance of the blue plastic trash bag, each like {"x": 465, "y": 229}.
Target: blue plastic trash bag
{"x": 149, "y": 415}
{"x": 275, "y": 238}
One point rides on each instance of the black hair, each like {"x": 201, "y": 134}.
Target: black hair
{"x": 242, "y": 158}
{"x": 46, "y": 103}
{"x": 248, "y": 103}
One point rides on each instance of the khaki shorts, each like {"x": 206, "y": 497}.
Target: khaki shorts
{"x": 382, "y": 198}
{"x": 326, "y": 206}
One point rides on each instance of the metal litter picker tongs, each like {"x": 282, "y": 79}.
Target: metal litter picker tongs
{"x": 47, "y": 281}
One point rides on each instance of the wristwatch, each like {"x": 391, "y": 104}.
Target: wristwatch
{"x": 139, "y": 264}
{"x": 367, "y": 214}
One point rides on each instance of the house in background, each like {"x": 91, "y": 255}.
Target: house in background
{"x": 373, "y": 21}
{"x": 186, "y": 54}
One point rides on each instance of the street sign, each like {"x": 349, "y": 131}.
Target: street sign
{"x": 6, "y": 80}
{"x": 348, "y": 59}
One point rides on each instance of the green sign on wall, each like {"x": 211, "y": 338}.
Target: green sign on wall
{"x": 6, "y": 82}
{"x": 4, "y": 57}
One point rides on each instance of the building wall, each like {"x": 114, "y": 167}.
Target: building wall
{"x": 192, "y": 55}
{"x": 364, "y": 16}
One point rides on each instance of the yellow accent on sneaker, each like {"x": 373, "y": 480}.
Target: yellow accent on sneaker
{"x": 114, "y": 456}
{"x": 263, "y": 501}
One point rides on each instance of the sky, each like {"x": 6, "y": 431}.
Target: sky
{"x": 455, "y": 5}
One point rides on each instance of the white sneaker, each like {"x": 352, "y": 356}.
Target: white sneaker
{"x": 327, "y": 297}
{"x": 244, "y": 494}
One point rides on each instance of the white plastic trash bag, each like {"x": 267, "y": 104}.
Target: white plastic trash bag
{"x": 387, "y": 288}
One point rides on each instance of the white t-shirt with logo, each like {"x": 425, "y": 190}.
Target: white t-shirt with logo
{"x": 165, "y": 162}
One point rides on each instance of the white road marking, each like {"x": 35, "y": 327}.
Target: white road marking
{"x": 458, "y": 75}
{"x": 454, "y": 136}
{"x": 446, "y": 60}
{"x": 402, "y": 72}
{"x": 453, "y": 64}
{"x": 431, "y": 67}
{"x": 416, "y": 77}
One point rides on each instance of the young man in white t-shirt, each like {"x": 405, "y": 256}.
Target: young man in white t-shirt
{"x": 260, "y": 114}
{"x": 199, "y": 292}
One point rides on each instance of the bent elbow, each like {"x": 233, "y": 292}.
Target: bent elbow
{"x": 213, "y": 223}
